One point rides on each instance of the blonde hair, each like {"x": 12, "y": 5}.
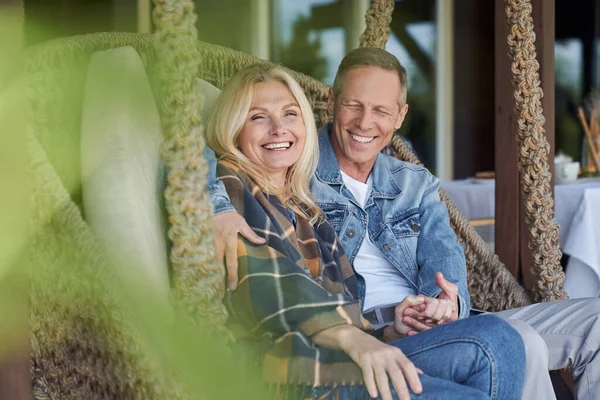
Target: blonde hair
{"x": 370, "y": 57}
{"x": 229, "y": 116}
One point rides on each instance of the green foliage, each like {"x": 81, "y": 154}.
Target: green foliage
{"x": 303, "y": 54}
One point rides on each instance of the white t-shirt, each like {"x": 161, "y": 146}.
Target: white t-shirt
{"x": 385, "y": 285}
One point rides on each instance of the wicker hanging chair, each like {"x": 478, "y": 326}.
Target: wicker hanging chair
{"x": 82, "y": 350}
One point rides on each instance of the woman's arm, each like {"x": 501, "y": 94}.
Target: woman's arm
{"x": 275, "y": 295}
{"x": 379, "y": 362}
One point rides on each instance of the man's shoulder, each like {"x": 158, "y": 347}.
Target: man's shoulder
{"x": 406, "y": 173}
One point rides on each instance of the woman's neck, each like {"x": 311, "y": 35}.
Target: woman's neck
{"x": 277, "y": 182}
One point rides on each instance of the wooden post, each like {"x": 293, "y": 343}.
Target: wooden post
{"x": 507, "y": 229}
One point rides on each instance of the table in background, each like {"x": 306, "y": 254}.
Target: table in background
{"x": 577, "y": 211}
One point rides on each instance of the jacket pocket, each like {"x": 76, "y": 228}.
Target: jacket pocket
{"x": 406, "y": 229}
{"x": 337, "y": 216}
{"x": 406, "y": 224}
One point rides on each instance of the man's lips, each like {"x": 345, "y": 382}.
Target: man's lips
{"x": 361, "y": 139}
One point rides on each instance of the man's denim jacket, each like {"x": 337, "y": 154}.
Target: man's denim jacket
{"x": 404, "y": 216}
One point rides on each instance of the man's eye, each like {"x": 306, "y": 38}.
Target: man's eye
{"x": 382, "y": 112}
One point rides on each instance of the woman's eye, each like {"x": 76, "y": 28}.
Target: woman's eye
{"x": 291, "y": 113}
{"x": 257, "y": 116}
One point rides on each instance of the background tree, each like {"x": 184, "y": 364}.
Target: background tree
{"x": 303, "y": 52}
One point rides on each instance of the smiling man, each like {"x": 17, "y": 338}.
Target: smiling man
{"x": 366, "y": 115}
{"x": 397, "y": 234}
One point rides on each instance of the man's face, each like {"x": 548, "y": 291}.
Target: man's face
{"x": 365, "y": 115}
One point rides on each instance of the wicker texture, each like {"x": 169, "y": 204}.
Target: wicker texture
{"x": 82, "y": 347}
{"x": 535, "y": 174}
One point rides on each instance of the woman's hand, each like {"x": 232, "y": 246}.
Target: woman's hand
{"x": 378, "y": 361}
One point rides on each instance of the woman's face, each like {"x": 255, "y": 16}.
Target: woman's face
{"x": 273, "y": 135}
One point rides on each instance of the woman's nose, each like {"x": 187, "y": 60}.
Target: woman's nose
{"x": 277, "y": 127}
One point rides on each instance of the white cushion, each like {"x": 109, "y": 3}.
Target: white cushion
{"x": 210, "y": 94}
{"x": 122, "y": 171}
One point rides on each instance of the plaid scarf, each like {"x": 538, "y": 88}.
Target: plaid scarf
{"x": 296, "y": 285}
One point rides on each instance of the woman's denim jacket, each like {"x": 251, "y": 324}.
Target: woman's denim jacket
{"x": 404, "y": 216}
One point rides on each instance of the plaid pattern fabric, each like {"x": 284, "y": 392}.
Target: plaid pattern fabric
{"x": 297, "y": 284}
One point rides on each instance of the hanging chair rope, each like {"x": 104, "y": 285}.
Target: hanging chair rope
{"x": 198, "y": 276}
{"x": 536, "y": 186}
{"x": 379, "y": 19}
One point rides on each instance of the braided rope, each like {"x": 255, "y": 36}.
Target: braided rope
{"x": 378, "y": 18}
{"x": 534, "y": 148}
{"x": 198, "y": 276}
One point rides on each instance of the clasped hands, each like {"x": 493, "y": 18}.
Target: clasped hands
{"x": 419, "y": 313}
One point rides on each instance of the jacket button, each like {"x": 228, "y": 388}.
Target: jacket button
{"x": 415, "y": 227}
{"x": 350, "y": 233}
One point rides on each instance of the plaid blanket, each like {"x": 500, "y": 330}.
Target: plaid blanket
{"x": 297, "y": 284}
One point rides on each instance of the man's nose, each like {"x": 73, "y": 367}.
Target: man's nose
{"x": 365, "y": 120}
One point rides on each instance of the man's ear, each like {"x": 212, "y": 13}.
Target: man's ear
{"x": 330, "y": 101}
{"x": 401, "y": 116}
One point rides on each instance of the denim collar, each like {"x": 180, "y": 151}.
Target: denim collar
{"x": 328, "y": 169}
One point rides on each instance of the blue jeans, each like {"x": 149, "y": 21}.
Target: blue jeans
{"x": 474, "y": 358}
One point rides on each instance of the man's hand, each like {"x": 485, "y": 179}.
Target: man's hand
{"x": 226, "y": 227}
{"x": 433, "y": 312}
{"x": 399, "y": 329}
{"x": 449, "y": 292}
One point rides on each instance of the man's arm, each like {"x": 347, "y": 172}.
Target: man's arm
{"x": 227, "y": 223}
{"x": 218, "y": 195}
{"x": 438, "y": 251}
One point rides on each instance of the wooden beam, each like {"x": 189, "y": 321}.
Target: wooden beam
{"x": 507, "y": 228}
{"x": 543, "y": 15}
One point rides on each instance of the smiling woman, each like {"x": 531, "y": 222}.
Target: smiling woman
{"x": 264, "y": 124}
{"x": 274, "y": 133}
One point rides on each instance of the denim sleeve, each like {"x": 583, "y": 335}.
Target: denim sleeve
{"x": 438, "y": 249}
{"x": 218, "y": 195}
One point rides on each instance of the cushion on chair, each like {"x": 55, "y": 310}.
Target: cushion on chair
{"x": 122, "y": 171}
{"x": 210, "y": 94}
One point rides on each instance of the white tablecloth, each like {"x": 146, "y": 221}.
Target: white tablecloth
{"x": 577, "y": 211}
